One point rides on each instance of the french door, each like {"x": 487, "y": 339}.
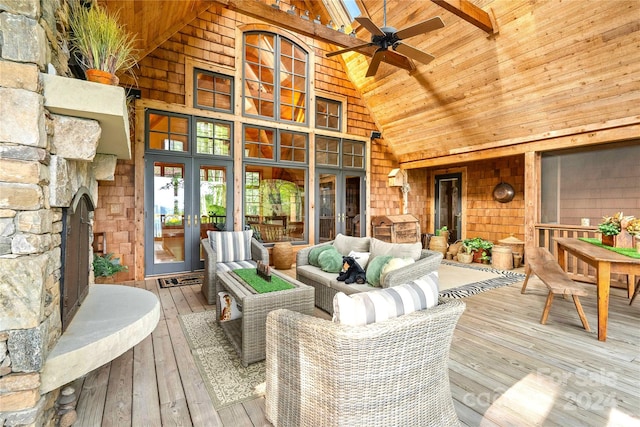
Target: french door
{"x": 340, "y": 204}
{"x": 185, "y": 198}
{"x": 448, "y": 202}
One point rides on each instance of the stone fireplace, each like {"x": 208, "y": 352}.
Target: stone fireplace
{"x": 59, "y": 136}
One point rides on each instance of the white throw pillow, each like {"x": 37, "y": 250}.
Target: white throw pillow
{"x": 362, "y": 258}
{"x": 374, "y": 306}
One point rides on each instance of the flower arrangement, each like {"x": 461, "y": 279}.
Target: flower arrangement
{"x": 633, "y": 227}
{"x": 612, "y": 225}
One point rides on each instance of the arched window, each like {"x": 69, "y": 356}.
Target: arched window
{"x": 275, "y": 76}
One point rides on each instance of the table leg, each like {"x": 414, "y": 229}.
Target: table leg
{"x": 631, "y": 285}
{"x": 603, "y": 285}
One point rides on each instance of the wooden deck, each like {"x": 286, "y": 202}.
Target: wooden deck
{"x": 505, "y": 369}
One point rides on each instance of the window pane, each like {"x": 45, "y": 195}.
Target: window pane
{"x": 328, "y": 114}
{"x": 353, "y": 154}
{"x": 212, "y": 87}
{"x": 327, "y": 151}
{"x": 213, "y": 138}
{"x": 258, "y": 143}
{"x": 167, "y": 132}
{"x": 262, "y": 63}
{"x": 293, "y": 147}
{"x": 274, "y": 203}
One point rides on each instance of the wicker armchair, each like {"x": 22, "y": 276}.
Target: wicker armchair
{"x": 258, "y": 253}
{"x": 391, "y": 373}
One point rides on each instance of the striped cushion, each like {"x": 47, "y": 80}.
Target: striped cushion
{"x": 231, "y": 245}
{"x": 374, "y": 306}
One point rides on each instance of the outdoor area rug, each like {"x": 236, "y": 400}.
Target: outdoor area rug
{"x": 181, "y": 280}
{"x": 458, "y": 280}
{"x": 227, "y": 381}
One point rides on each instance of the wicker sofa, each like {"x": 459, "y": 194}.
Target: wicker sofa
{"x": 212, "y": 265}
{"x": 326, "y": 285}
{"x": 390, "y": 373}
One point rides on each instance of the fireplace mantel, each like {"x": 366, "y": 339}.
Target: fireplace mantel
{"x": 111, "y": 320}
{"x": 104, "y": 103}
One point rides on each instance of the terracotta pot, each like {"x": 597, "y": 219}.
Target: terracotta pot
{"x": 104, "y": 77}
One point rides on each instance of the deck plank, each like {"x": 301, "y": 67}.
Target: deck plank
{"x": 173, "y": 404}
{"x": 90, "y": 408}
{"x": 117, "y": 409}
{"x": 146, "y": 406}
{"x": 195, "y": 390}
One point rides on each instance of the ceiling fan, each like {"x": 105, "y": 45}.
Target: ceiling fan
{"x": 385, "y": 37}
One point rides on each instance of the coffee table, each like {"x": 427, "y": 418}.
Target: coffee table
{"x": 247, "y": 334}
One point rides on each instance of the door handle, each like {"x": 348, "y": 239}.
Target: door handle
{"x": 195, "y": 220}
{"x": 188, "y": 221}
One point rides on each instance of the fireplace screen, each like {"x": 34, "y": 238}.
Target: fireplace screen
{"x": 74, "y": 280}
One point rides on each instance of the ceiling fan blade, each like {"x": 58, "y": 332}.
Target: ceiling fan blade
{"x": 375, "y": 62}
{"x": 397, "y": 60}
{"x": 413, "y": 53}
{"x": 341, "y": 51}
{"x": 420, "y": 28}
{"x": 370, "y": 26}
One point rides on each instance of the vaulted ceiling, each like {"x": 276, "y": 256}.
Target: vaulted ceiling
{"x": 155, "y": 21}
{"x": 544, "y": 73}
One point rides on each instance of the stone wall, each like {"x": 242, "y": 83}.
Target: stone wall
{"x": 44, "y": 160}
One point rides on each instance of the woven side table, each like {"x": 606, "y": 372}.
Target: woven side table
{"x": 248, "y": 334}
{"x": 283, "y": 255}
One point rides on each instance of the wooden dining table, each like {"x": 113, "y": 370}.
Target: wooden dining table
{"x": 605, "y": 262}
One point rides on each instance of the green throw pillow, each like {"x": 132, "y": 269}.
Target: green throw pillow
{"x": 330, "y": 261}
{"x": 374, "y": 268}
{"x": 315, "y": 253}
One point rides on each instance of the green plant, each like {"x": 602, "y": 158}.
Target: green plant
{"x": 612, "y": 225}
{"x": 485, "y": 256}
{"x": 106, "y": 265}
{"x": 439, "y": 231}
{"x": 99, "y": 40}
{"x": 476, "y": 244}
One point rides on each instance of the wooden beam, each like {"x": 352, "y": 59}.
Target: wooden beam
{"x": 291, "y": 22}
{"x": 469, "y": 12}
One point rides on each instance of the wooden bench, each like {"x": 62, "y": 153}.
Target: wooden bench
{"x": 543, "y": 264}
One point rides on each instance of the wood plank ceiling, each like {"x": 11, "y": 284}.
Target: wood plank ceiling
{"x": 481, "y": 91}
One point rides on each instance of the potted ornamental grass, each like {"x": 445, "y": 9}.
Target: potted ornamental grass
{"x": 101, "y": 45}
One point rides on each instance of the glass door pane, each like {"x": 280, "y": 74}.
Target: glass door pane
{"x": 353, "y": 206}
{"x": 170, "y": 219}
{"x": 341, "y": 204}
{"x": 327, "y": 203}
{"x": 448, "y": 204}
{"x": 215, "y": 203}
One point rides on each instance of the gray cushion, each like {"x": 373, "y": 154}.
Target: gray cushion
{"x": 398, "y": 250}
{"x": 345, "y": 244}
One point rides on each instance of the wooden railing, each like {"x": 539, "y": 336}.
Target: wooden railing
{"x": 577, "y": 269}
